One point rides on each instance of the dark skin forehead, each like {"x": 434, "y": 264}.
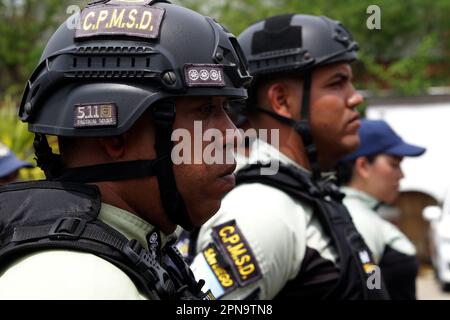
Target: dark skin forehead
{"x": 322, "y": 76}
{"x": 333, "y": 72}
{"x": 192, "y": 102}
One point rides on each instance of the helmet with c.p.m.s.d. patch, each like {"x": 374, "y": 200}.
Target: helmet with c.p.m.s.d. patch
{"x": 97, "y": 76}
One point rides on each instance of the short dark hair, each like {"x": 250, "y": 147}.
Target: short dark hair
{"x": 262, "y": 80}
{"x": 345, "y": 169}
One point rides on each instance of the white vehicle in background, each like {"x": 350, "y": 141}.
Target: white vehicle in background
{"x": 439, "y": 219}
{"x": 423, "y": 121}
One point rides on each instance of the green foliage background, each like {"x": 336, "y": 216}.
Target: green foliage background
{"x": 14, "y": 134}
{"x": 409, "y": 54}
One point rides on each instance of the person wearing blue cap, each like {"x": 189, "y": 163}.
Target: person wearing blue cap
{"x": 371, "y": 176}
{"x": 10, "y": 165}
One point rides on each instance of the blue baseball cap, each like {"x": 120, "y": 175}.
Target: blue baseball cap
{"x": 377, "y": 137}
{"x": 9, "y": 163}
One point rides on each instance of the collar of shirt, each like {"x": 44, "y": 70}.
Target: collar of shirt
{"x": 364, "y": 198}
{"x": 129, "y": 224}
{"x": 263, "y": 152}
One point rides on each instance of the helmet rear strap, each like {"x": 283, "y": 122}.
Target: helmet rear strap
{"x": 302, "y": 127}
{"x": 174, "y": 206}
{"x": 49, "y": 162}
{"x": 308, "y": 140}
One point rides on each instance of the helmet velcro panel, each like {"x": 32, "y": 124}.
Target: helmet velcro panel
{"x": 277, "y": 35}
{"x": 295, "y": 43}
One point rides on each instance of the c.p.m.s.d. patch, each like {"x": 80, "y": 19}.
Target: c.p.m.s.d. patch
{"x": 236, "y": 249}
{"x": 124, "y": 19}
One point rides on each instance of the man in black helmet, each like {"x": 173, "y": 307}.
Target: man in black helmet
{"x": 287, "y": 234}
{"x": 113, "y": 90}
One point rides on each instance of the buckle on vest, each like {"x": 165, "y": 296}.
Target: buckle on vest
{"x": 67, "y": 228}
{"x": 141, "y": 258}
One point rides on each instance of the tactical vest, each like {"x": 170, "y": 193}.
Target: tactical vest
{"x": 400, "y": 272}
{"x": 46, "y": 215}
{"x": 355, "y": 262}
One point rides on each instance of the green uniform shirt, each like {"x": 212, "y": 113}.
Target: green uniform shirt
{"x": 377, "y": 232}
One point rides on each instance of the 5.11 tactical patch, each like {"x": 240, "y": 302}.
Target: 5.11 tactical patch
{"x": 93, "y": 115}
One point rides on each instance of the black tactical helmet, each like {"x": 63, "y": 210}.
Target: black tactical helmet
{"x": 122, "y": 58}
{"x": 112, "y": 61}
{"x": 295, "y": 44}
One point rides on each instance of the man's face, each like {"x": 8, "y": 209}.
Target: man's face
{"x": 334, "y": 120}
{"x": 203, "y": 185}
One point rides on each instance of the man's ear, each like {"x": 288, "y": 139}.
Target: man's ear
{"x": 362, "y": 167}
{"x": 278, "y": 98}
{"x": 114, "y": 147}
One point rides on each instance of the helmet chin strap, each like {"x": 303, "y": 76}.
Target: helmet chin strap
{"x": 303, "y": 127}
{"x": 173, "y": 203}
{"x": 161, "y": 167}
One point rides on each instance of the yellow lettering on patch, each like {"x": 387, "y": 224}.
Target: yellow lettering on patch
{"x": 233, "y": 239}
{"x": 223, "y": 276}
{"x": 210, "y": 256}
{"x": 101, "y": 17}
{"x": 226, "y": 230}
{"x": 240, "y": 256}
{"x": 132, "y": 18}
{"x": 146, "y": 24}
{"x": 85, "y": 25}
{"x": 241, "y": 261}
{"x": 237, "y": 250}
{"x": 228, "y": 235}
{"x": 127, "y": 20}
{"x": 115, "y": 20}
{"x": 245, "y": 271}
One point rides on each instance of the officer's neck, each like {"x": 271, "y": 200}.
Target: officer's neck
{"x": 300, "y": 156}
{"x": 151, "y": 212}
{"x": 296, "y": 155}
{"x": 291, "y": 145}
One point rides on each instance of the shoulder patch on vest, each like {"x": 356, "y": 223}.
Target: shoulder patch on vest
{"x": 234, "y": 246}
{"x": 211, "y": 267}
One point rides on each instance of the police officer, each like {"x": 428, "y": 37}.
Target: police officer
{"x": 113, "y": 90}
{"x": 285, "y": 233}
{"x": 373, "y": 177}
